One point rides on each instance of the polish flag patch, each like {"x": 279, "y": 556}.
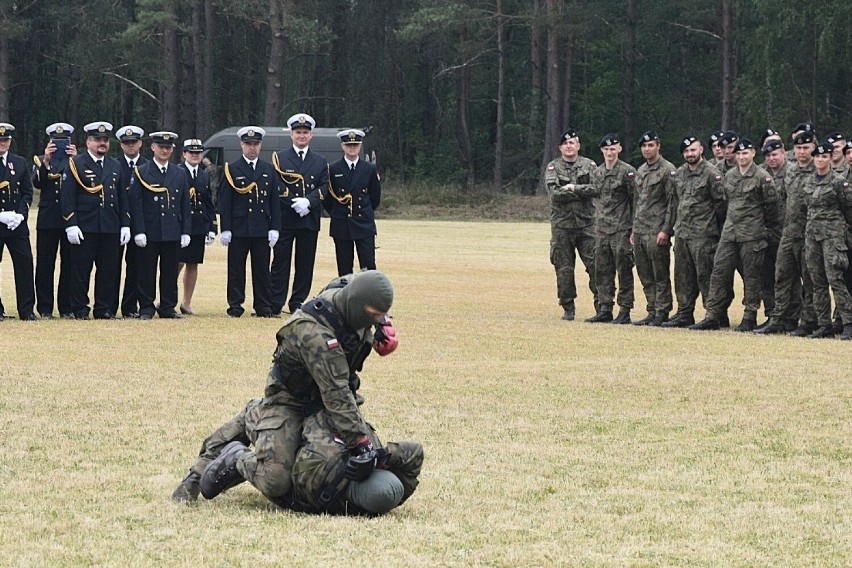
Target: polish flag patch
{"x": 332, "y": 343}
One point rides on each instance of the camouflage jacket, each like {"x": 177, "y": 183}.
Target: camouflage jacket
{"x": 795, "y": 208}
{"x": 829, "y": 202}
{"x": 752, "y": 204}
{"x": 653, "y": 203}
{"x": 570, "y": 209}
{"x": 777, "y": 227}
{"x": 699, "y": 202}
{"x": 614, "y": 203}
{"x": 315, "y": 370}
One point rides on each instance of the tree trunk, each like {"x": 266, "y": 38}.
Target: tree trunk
{"x": 464, "y": 107}
{"x": 4, "y": 77}
{"x": 551, "y": 124}
{"x": 630, "y": 79}
{"x": 501, "y": 89}
{"x": 275, "y": 65}
{"x": 567, "y": 73}
{"x": 536, "y": 79}
{"x": 198, "y": 68}
{"x": 205, "y": 127}
{"x": 727, "y": 64}
{"x": 171, "y": 89}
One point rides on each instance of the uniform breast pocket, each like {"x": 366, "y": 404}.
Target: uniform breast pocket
{"x": 584, "y": 179}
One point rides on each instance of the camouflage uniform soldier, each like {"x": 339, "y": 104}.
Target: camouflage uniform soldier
{"x": 614, "y": 183}
{"x": 801, "y": 128}
{"x": 320, "y": 349}
{"x": 829, "y": 201}
{"x": 700, "y": 211}
{"x": 568, "y": 182}
{"x": 716, "y": 148}
{"x": 793, "y": 288}
{"x": 839, "y": 165}
{"x": 728, "y": 141}
{"x": 775, "y": 163}
{"x": 752, "y": 204}
{"x": 652, "y": 228}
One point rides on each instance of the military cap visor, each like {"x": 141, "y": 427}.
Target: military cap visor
{"x": 351, "y": 136}
{"x": 193, "y": 145}
{"x": 98, "y": 129}
{"x": 301, "y": 120}
{"x": 6, "y": 130}
{"x": 164, "y": 138}
{"x": 251, "y": 133}
{"x": 129, "y": 133}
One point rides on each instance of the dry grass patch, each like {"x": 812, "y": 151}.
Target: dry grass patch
{"x": 548, "y": 442}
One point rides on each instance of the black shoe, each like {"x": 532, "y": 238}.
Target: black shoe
{"x": 28, "y": 317}
{"x": 708, "y": 323}
{"x": 234, "y": 313}
{"x": 68, "y": 316}
{"x": 771, "y": 328}
{"x": 724, "y": 322}
{"x": 45, "y": 316}
{"x": 131, "y": 315}
{"x": 81, "y": 316}
{"x": 659, "y": 320}
{"x": 568, "y": 314}
{"x": 105, "y": 316}
{"x": 622, "y": 318}
{"x": 186, "y": 311}
{"x": 600, "y": 317}
{"x": 791, "y": 325}
{"x": 823, "y": 331}
{"x": 761, "y": 326}
{"x": 838, "y": 326}
{"x": 188, "y": 488}
{"x": 847, "y": 332}
{"x": 646, "y": 320}
{"x": 804, "y": 329}
{"x": 222, "y": 473}
{"x": 293, "y": 307}
{"x": 171, "y": 316}
{"x": 747, "y": 325}
{"x": 146, "y": 316}
{"x": 680, "y": 320}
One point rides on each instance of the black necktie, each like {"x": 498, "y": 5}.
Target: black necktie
{"x": 192, "y": 173}
{"x": 164, "y": 169}
{"x": 3, "y": 164}
{"x": 132, "y": 163}
{"x": 100, "y": 165}
{"x": 351, "y": 167}
{"x": 302, "y": 154}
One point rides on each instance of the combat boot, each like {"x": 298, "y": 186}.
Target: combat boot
{"x": 847, "y": 332}
{"x": 724, "y": 321}
{"x": 222, "y": 473}
{"x": 659, "y": 320}
{"x": 771, "y": 328}
{"x": 791, "y": 324}
{"x": 645, "y": 321}
{"x": 763, "y": 325}
{"x": 600, "y": 317}
{"x": 680, "y": 320}
{"x": 708, "y": 323}
{"x": 188, "y": 488}
{"x": 823, "y": 331}
{"x": 623, "y": 317}
{"x": 805, "y": 329}
{"x": 838, "y": 326}
{"x": 569, "y": 311}
{"x": 748, "y": 324}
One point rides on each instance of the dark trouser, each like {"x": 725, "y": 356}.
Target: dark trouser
{"x": 22, "y": 263}
{"x": 730, "y": 255}
{"x": 653, "y": 264}
{"x": 130, "y": 295}
{"x": 847, "y": 274}
{"x": 693, "y": 267}
{"x": 767, "y": 288}
{"x": 565, "y": 244}
{"x": 48, "y": 242}
{"x": 344, "y": 253}
{"x": 614, "y": 256}
{"x": 238, "y": 251}
{"x": 305, "y": 242}
{"x": 827, "y": 260}
{"x": 101, "y": 250}
{"x": 166, "y": 255}
{"x": 794, "y": 292}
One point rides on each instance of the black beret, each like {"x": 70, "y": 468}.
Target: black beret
{"x": 610, "y": 139}
{"x": 716, "y": 136}
{"x": 744, "y": 144}
{"x": 822, "y": 149}
{"x": 568, "y": 134}
{"x": 804, "y": 138}
{"x": 686, "y": 142}
{"x": 834, "y": 137}
{"x": 649, "y": 136}
{"x": 804, "y": 127}
{"x": 728, "y": 137}
{"x": 766, "y": 134}
{"x": 771, "y": 146}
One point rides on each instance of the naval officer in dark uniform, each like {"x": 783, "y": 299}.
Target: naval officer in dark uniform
{"x": 354, "y": 193}
{"x": 204, "y": 224}
{"x": 161, "y": 221}
{"x": 97, "y": 223}
{"x": 130, "y": 139}
{"x": 16, "y": 196}
{"x": 250, "y": 217}
{"x": 50, "y": 227}
{"x": 304, "y": 176}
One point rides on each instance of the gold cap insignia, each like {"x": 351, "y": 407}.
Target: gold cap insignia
{"x": 59, "y": 130}
{"x": 101, "y": 128}
{"x": 352, "y": 136}
{"x": 250, "y": 133}
{"x": 2, "y": 130}
{"x": 167, "y": 136}
{"x": 302, "y": 119}
{"x": 128, "y": 132}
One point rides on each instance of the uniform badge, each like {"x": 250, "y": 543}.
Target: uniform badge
{"x": 673, "y": 173}
{"x": 630, "y": 174}
{"x": 768, "y": 180}
{"x": 550, "y": 167}
{"x": 378, "y": 177}
{"x": 332, "y": 343}
{"x": 718, "y": 178}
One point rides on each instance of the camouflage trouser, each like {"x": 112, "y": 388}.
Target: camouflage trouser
{"x": 793, "y": 287}
{"x": 653, "y": 265}
{"x": 847, "y": 274}
{"x": 767, "y": 288}
{"x": 827, "y": 260}
{"x": 564, "y": 244}
{"x": 749, "y": 255}
{"x": 692, "y": 270}
{"x": 274, "y": 429}
{"x": 614, "y": 255}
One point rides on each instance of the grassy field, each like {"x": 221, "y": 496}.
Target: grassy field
{"x": 548, "y": 443}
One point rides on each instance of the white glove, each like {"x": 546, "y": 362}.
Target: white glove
{"x": 301, "y": 205}
{"x": 17, "y": 218}
{"x": 74, "y": 234}
{"x": 273, "y": 238}
{"x": 225, "y": 238}
{"x": 124, "y": 238}
{"x": 141, "y": 240}
{"x": 208, "y": 240}
{"x": 184, "y": 241}
{"x": 6, "y": 217}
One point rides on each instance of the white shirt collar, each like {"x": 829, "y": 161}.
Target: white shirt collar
{"x": 297, "y": 150}
{"x": 250, "y": 162}
{"x": 350, "y": 164}
{"x": 161, "y": 166}
{"x": 128, "y": 159}
{"x": 95, "y": 158}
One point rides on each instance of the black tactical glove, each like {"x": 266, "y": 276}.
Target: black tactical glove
{"x": 361, "y": 462}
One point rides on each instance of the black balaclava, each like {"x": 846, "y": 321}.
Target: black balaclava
{"x": 369, "y": 288}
